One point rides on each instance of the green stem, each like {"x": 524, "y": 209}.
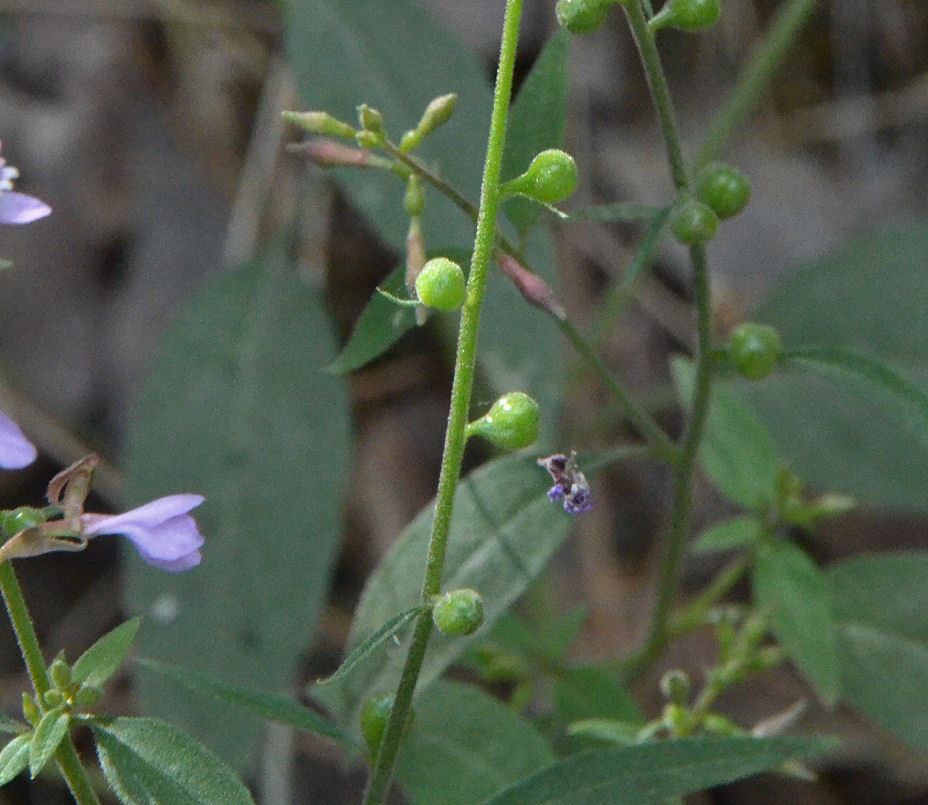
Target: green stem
{"x": 693, "y": 615}
{"x": 790, "y": 19}
{"x": 660, "y": 92}
{"x": 66, "y": 755}
{"x": 455, "y": 437}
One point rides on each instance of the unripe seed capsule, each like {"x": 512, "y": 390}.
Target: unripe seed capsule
{"x": 582, "y": 16}
{"x": 693, "y": 222}
{"x": 550, "y": 178}
{"x": 687, "y": 15}
{"x": 459, "y": 612}
{"x": 724, "y": 188}
{"x": 755, "y": 349}
{"x": 675, "y": 685}
{"x": 441, "y": 284}
{"x": 512, "y": 421}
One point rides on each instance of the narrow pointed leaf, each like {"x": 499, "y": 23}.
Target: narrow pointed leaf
{"x": 738, "y": 532}
{"x": 11, "y": 726}
{"x": 653, "y": 772}
{"x": 789, "y": 585}
{"x": 104, "y": 657}
{"x": 14, "y": 757}
{"x": 149, "y": 762}
{"x": 379, "y": 327}
{"x": 373, "y": 642}
{"x": 268, "y": 706}
{"x": 52, "y": 728}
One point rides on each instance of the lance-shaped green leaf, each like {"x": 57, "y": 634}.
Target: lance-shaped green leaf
{"x": 380, "y": 325}
{"x": 503, "y": 532}
{"x": 738, "y": 532}
{"x": 14, "y": 757}
{"x": 789, "y": 585}
{"x": 464, "y": 745}
{"x": 269, "y": 706}
{"x": 585, "y": 693}
{"x": 373, "y": 642}
{"x": 52, "y": 728}
{"x": 147, "y": 762}
{"x": 881, "y": 608}
{"x": 104, "y": 657}
{"x": 537, "y": 120}
{"x": 11, "y": 726}
{"x": 653, "y": 772}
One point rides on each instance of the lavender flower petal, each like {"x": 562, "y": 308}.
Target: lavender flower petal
{"x": 18, "y": 208}
{"x": 16, "y": 451}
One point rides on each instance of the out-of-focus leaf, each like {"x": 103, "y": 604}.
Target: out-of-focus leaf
{"x": 537, "y": 120}
{"x": 789, "y": 585}
{"x": 652, "y": 772}
{"x": 737, "y": 452}
{"x": 621, "y": 733}
{"x": 738, "y": 532}
{"x": 148, "y": 762}
{"x": 238, "y": 407}
{"x": 269, "y": 706}
{"x": 842, "y": 434}
{"x": 104, "y": 657}
{"x": 465, "y": 745}
{"x": 503, "y": 532}
{"x": 11, "y": 726}
{"x": 585, "y": 693}
{"x": 881, "y": 607}
{"x": 381, "y": 324}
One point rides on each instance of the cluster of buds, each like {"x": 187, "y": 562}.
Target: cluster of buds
{"x": 570, "y": 484}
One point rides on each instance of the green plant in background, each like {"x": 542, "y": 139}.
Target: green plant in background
{"x": 266, "y": 432}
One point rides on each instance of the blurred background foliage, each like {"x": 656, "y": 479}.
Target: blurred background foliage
{"x": 152, "y": 128}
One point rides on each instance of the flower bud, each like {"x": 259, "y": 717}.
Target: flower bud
{"x": 692, "y": 222}
{"x": 87, "y": 696}
{"x": 441, "y": 284}
{"x": 320, "y": 123}
{"x": 551, "y": 177}
{"x": 61, "y": 674}
{"x": 369, "y": 139}
{"x": 459, "y": 612}
{"x": 512, "y": 421}
{"x": 582, "y": 16}
{"x": 725, "y": 189}
{"x": 31, "y": 710}
{"x": 675, "y": 685}
{"x": 52, "y": 698}
{"x": 370, "y": 119}
{"x": 20, "y": 519}
{"x": 754, "y": 349}
{"x": 436, "y": 114}
{"x": 414, "y": 198}
{"x": 687, "y": 15}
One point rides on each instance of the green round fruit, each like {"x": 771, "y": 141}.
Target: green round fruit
{"x": 687, "y": 15}
{"x": 512, "y": 421}
{"x": 441, "y": 284}
{"x": 582, "y": 16}
{"x": 724, "y": 188}
{"x": 693, "y": 222}
{"x": 459, "y": 612}
{"x": 550, "y": 178}
{"x": 755, "y": 349}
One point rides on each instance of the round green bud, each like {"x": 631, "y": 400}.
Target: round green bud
{"x": 61, "y": 674}
{"x": 52, "y": 698}
{"x": 550, "y": 178}
{"x": 724, "y": 188}
{"x": 22, "y": 518}
{"x": 459, "y": 612}
{"x": 582, "y": 16}
{"x": 441, "y": 285}
{"x": 687, "y": 15}
{"x": 692, "y": 222}
{"x": 512, "y": 421}
{"x": 675, "y": 685}
{"x": 414, "y": 199}
{"x": 87, "y": 696}
{"x": 754, "y": 349}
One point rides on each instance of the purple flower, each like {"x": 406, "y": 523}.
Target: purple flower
{"x": 556, "y": 492}
{"x": 161, "y": 531}
{"x": 16, "y": 451}
{"x": 570, "y": 485}
{"x": 17, "y": 208}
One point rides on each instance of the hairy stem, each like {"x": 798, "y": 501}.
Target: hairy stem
{"x": 455, "y": 435}
{"x": 29, "y": 647}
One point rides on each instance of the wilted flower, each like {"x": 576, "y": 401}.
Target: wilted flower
{"x": 161, "y": 531}
{"x": 17, "y": 208}
{"x": 16, "y": 451}
{"x": 570, "y": 484}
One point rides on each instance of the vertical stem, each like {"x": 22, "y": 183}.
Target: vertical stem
{"x": 455, "y": 436}
{"x": 66, "y": 755}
